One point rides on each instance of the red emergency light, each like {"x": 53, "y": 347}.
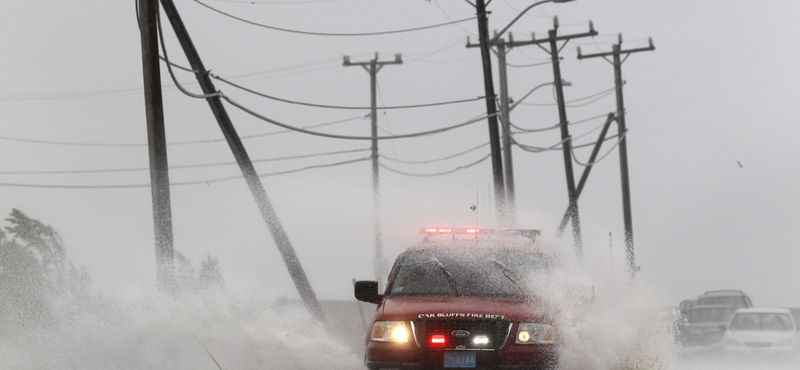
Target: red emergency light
{"x": 437, "y": 230}
{"x": 471, "y": 231}
{"x": 438, "y": 339}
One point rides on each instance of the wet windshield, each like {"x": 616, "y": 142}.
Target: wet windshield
{"x": 737, "y": 302}
{"x": 700, "y": 315}
{"x": 467, "y": 272}
{"x": 762, "y": 322}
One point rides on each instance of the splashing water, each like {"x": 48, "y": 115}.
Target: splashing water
{"x": 190, "y": 333}
{"x": 606, "y": 320}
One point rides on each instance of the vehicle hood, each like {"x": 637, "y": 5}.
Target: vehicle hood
{"x": 413, "y": 308}
{"x": 758, "y": 336}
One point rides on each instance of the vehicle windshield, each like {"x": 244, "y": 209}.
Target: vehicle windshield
{"x": 759, "y": 321}
{"x": 717, "y": 314}
{"x": 733, "y": 301}
{"x": 468, "y": 272}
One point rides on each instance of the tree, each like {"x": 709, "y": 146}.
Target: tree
{"x": 34, "y": 270}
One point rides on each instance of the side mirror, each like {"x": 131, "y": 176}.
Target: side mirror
{"x": 367, "y": 291}
{"x": 723, "y": 328}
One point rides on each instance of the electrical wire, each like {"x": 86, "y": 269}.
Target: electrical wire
{"x": 557, "y": 125}
{"x": 219, "y": 94}
{"x": 529, "y": 65}
{"x": 207, "y": 182}
{"x": 169, "y": 65}
{"x": 315, "y": 105}
{"x": 202, "y": 165}
{"x": 435, "y": 160}
{"x": 347, "y": 137}
{"x": 435, "y": 174}
{"x": 600, "y": 95}
{"x": 293, "y": 2}
{"x": 574, "y": 158}
{"x": 188, "y": 142}
{"x": 468, "y": 32}
{"x": 330, "y": 33}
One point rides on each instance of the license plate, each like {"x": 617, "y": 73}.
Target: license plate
{"x": 459, "y": 359}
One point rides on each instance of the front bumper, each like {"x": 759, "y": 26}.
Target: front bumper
{"x": 409, "y": 356}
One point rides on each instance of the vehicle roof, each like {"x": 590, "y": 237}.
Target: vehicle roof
{"x": 717, "y": 293}
{"x": 762, "y": 310}
{"x": 481, "y": 242}
{"x": 710, "y": 306}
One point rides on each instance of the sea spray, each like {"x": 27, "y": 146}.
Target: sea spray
{"x": 155, "y": 332}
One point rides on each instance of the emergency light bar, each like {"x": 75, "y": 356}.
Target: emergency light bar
{"x": 529, "y": 233}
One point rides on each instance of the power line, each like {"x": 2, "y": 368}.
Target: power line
{"x": 297, "y": 129}
{"x": 596, "y": 161}
{"x": 557, "y": 125}
{"x": 207, "y": 182}
{"x": 601, "y": 94}
{"x": 347, "y": 137}
{"x": 68, "y": 143}
{"x": 330, "y": 33}
{"x": 438, "y": 159}
{"x": 293, "y": 2}
{"x": 339, "y": 106}
{"x": 438, "y": 173}
{"x": 218, "y": 164}
{"x": 528, "y": 65}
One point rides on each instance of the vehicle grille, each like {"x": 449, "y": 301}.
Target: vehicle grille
{"x": 496, "y": 330}
{"x": 759, "y": 344}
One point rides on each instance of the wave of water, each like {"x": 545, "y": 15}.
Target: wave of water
{"x": 160, "y": 333}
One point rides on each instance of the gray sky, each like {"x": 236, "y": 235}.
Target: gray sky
{"x": 720, "y": 88}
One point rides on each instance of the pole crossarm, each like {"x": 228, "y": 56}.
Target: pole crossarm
{"x": 651, "y": 47}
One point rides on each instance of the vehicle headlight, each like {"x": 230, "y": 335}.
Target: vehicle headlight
{"x": 389, "y": 331}
{"x": 535, "y": 333}
{"x": 785, "y": 343}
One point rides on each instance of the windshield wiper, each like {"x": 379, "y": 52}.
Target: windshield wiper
{"x": 506, "y": 271}
{"x": 450, "y": 279}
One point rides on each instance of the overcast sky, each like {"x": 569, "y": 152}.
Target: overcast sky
{"x": 721, "y": 87}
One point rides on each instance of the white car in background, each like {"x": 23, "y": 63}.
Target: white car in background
{"x": 762, "y": 330}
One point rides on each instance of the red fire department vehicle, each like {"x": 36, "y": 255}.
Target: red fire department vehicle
{"x": 461, "y": 298}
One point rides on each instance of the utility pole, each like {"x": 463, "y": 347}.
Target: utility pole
{"x": 157, "y": 147}
{"x": 553, "y": 40}
{"x": 245, "y": 165}
{"x": 586, "y": 171}
{"x": 510, "y": 211}
{"x": 373, "y": 67}
{"x": 616, "y": 52}
{"x": 511, "y": 201}
{"x": 491, "y": 110}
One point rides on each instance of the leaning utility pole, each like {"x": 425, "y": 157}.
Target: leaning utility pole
{"x": 566, "y": 144}
{"x": 616, "y": 52}
{"x": 508, "y": 165}
{"x": 586, "y": 171}
{"x": 157, "y": 145}
{"x": 245, "y": 165}
{"x": 373, "y": 67}
{"x": 491, "y": 110}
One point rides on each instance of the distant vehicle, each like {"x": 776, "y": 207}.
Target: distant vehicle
{"x": 706, "y": 325}
{"x": 458, "y": 299}
{"x": 762, "y": 330}
{"x": 686, "y": 305}
{"x": 734, "y": 298}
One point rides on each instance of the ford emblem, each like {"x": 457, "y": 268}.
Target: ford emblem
{"x": 460, "y": 333}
